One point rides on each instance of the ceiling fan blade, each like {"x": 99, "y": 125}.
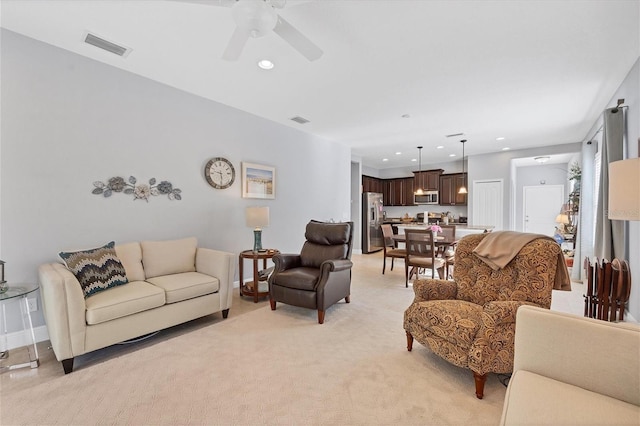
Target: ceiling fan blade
{"x": 297, "y": 40}
{"x": 235, "y": 46}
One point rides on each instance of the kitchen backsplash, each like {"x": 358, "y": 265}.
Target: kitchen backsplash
{"x": 400, "y": 211}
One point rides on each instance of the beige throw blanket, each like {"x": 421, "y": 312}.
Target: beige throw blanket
{"x": 498, "y": 249}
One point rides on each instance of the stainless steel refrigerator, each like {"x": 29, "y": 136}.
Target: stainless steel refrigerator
{"x": 372, "y": 239}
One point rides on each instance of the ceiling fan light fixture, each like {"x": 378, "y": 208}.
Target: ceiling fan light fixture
{"x": 256, "y": 18}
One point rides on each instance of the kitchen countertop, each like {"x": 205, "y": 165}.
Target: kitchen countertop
{"x": 458, "y": 225}
{"x": 462, "y": 229}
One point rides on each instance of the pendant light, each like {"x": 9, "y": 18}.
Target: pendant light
{"x": 463, "y": 188}
{"x": 419, "y": 190}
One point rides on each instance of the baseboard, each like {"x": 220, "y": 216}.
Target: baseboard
{"x": 18, "y": 339}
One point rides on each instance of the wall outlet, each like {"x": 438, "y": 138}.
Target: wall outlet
{"x": 33, "y": 304}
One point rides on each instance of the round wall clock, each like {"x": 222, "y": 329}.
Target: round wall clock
{"x": 220, "y": 173}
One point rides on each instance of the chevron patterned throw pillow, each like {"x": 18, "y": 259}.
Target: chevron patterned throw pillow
{"x": 96, "y": 269}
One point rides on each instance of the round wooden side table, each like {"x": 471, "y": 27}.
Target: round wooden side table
{"x": 251, "y": 288}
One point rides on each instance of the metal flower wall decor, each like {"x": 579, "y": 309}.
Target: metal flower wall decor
{"x": 140, "y": 191}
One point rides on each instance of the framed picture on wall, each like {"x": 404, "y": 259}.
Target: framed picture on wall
{"x": 258, "y": 181}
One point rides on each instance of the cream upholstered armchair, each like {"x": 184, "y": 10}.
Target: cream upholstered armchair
{"x": 470, "y": 321}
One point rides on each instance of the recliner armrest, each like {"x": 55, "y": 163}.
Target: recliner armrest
{"x": 336, "y": 265}
{"x": 434, "y": 289}
{"x": 283, "y": 261}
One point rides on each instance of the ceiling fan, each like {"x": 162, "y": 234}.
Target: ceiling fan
{"x": 257, "y": 18}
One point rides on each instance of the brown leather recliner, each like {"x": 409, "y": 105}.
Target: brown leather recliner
{"x": 320, "y": 275}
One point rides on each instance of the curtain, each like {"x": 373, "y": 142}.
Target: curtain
{"x": 609, "y": 236}
{"x": 584, "y": 236}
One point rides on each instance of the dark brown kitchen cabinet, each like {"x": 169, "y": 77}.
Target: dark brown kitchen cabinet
{"x": 388, "y": 188}
{"x": 428, "y": 180}
{"x": 450, "y": 184}
{"x": 398, "y": 192}
{"x": 407, "y": 191}
{"x": 371, "y": 184}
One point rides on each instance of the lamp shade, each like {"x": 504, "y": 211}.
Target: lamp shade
{"x": 624, "y": 189}
{"x": 257, "y": 217}
{"x": 563, "y": 218}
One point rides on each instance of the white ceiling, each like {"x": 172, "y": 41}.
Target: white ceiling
{"x": 537, "y": 73}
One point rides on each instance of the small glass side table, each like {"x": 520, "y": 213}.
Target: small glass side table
{"x": 18, "y": 294}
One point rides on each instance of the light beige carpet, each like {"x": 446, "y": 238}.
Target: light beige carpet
{"x": 267, "y": 367}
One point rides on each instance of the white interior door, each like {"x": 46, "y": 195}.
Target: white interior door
{"x": 488, "y": 203}
{"x": 542, "y": 204}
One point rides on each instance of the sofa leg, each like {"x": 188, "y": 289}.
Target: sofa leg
{"x": 320, "y": 317}
{"x": 409, "y": 341}
{"x": 225, "y": 313}
{"x": 272, "y": 302}
{"x": 348, "y": 299}
{"x": 480, "y": 379}
{"x": 67, "y": 365}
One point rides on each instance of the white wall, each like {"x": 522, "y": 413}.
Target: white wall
{"x": 68, "y": 121}
{"x": 498, "y": 166}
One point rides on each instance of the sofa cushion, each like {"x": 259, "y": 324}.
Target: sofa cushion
{"x": 96, "y": 269}
{"x": 535, "y": 399}
{"x": 130, "y": 255}
{"x": 137, "y": 296}
{"x": 169, "y": 257}
{"x": 178, "y": 287}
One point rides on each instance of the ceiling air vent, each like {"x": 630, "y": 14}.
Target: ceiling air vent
{"x": 300, "y": 120}
{"x": 454, "y": 135}
{"x": 96, "y": 41}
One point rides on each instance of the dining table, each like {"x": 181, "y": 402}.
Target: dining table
{"x": 442, "y": 242}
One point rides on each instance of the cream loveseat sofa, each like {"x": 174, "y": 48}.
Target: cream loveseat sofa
{"x": 570, "y": 370}
{"x": 169, "y": 282}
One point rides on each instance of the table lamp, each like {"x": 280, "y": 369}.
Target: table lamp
{"x": 563, "y": 219}
{"x": 257, "y": 218}
{"x": 624, "y": 190}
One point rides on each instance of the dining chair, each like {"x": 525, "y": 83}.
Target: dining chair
{"x": 421, "y": 253}
{"x": 389, "y": 247}
{"x": 448, "y": 252}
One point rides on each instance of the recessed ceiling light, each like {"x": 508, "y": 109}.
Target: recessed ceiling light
{"x": 542, "y": 159}
{"x": 414, "y": 160}
{"x": 439, "y": 147}
{"x": 398, "y": 153}
{"x": 501, "y": 138}
{"x": 385, "y": 159}
{"x": 265, "y": 64}
{"x": 506, "y": 148}
{"x": 406, "y": 116}
{"x": 452, "y": 155}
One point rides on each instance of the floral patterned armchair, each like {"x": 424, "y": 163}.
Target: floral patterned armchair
{"x": 470, "y": 321}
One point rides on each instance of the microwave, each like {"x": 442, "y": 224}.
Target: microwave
{"x": 429, "y": 197}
